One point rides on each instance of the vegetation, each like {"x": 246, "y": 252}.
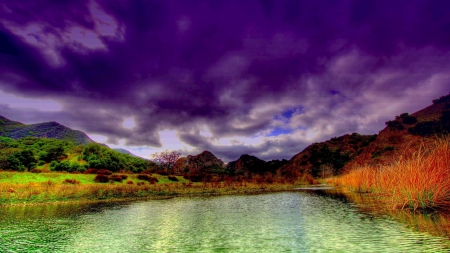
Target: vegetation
{"x": 419, "y": 180}
{"x": 166, "y": 160}
{"x": 17, "y": 130}
{"x": 25, "y": 187}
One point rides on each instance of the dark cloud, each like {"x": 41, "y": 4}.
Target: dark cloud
{"x": 232, "y": 67}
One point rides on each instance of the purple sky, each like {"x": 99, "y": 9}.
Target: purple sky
{"x": 266, "y": 78}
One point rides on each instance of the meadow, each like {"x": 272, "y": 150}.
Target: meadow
{"x": 48, "y": 187}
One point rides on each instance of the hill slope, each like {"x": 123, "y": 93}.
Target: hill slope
{"x": 404, "y": 135}
{"x": 328, "y": 157}
{"x": 17, "y": 130}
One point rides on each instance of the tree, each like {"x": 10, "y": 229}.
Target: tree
{"x": 166, "y": 160}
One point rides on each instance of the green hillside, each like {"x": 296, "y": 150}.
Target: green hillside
{"x": 17, "y": 130}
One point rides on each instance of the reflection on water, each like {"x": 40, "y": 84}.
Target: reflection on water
{"x": 435, "y": 223}
{"x": 278, "y": 222}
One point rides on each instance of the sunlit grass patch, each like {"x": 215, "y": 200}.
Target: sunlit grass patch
{"x": 421, "y": 181}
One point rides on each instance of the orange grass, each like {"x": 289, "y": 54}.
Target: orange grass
{"x": 419, "y": 180}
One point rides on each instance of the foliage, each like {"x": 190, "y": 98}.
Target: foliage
{"x": 323, "y": 155}
{"x": 442, "y": 99}
{"x": 378, "y": 153}
{"x": 101, "y": 157}
{"x": 394, "y": 125}
{"x": 166, "y": 160}
{"x": 17, "y": 130}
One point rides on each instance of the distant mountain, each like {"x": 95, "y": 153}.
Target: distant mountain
{"x": 247, "y": 165}
{"x": 204, "y": 162}
{"x": 328, "y": 157}
{"x": 16, "y": 130}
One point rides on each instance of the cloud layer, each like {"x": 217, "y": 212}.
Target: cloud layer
{"x": 265, "y": 77}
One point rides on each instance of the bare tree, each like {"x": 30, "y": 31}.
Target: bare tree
{"x": 166, "y": 160}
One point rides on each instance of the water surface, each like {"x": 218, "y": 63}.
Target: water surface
{"x": 276, "y": 222}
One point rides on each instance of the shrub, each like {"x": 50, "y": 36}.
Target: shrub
{"x": 123, "y": 176}
{"x": 171, "y": 178}
{"x": 40, "y": 163}
{"x": 130, "y": 182}
{"x": 101, "y": 178}
{"x": 71, "y": 181}
{"x": 394, "y": 125}
{"x": 162, "y": 173}
{"x": 153, "y": 180}
{"x": 104, "y": 172}
{"x": 143, "y": 177}
{"x": 409, "y": 120}
{"x": 425, "y": 128}
{"x": 378, "y": 153}
{"x": 32, "y": 165}
{"x": 117, "y": 178}
{"x": 35, "y": 171}
{"x": 90, "y": 171}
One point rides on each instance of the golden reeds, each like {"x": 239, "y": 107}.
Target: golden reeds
{"x": 417, "y": 181}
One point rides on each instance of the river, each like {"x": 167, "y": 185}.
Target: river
{"x": 301, "y": 221}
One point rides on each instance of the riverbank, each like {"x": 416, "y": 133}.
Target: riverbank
{"x": 419, "y": 181}
{"x": 31, "y": 189}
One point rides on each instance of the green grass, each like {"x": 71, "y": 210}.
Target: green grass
{"x": 59, "y": 177}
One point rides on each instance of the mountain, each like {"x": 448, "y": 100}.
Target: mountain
{"x": 404, "y": 135}
{"x": 204, "y": 162}
{"x": 16, "y": 130}
{"x": 329, "y": 157}
{"x": 247, "y": 165}
{"x": 123, "y": 151}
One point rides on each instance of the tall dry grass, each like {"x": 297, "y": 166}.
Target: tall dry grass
{"x": 418, "y": 180}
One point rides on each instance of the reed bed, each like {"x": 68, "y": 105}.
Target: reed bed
{"x": 418, "y": 181}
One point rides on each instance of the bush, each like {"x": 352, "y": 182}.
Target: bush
{"x": 104, "y": 172}
{"x": 162, "y": 173}
{"x": 117, "y": 178}
{"x": 40, "y": 163}
{"x": 35, "y": 171}
{"x": 101, "y": 178}
{"x": 123, "y": 176}
{"x": 409, "y": 120}
{"x": 425, "y": 128}
{"x": 130, "y": 182}
{"x": 173, "y": 178}
{"x": 32, "y": 165}
{"x": 143, "y": 177}
{"x": 71, "y": 181}
{"x": 90, "y": 171}
{"x": 394, "y": 125}
{"x": 148, "y": 178}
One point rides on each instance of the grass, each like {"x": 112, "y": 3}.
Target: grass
{"x": 31, "y": 188}
{"x": 419, "y": 180}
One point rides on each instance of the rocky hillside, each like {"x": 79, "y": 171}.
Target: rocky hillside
{"x": 403, "y": 135}
{"x": 203, "y": 163}
{"x": 247, "y": 165}
{"x": 16, "y": 130}
{"x": 329, "y": 157}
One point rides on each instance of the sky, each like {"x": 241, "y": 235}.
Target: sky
{"x": 259, "y": 77}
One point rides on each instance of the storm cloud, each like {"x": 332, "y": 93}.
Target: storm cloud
{"x": 266, "y": 78}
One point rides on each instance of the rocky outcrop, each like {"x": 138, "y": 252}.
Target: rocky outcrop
{"x": 204, "y": 163}
{"x": 248, "y": 165}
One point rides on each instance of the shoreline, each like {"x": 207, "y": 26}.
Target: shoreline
{"x": 161, "y": 196}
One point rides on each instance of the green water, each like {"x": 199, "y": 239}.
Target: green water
{"x": 278, "y": 222}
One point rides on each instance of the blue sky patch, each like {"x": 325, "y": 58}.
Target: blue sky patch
{"x": 279, "y": 131}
